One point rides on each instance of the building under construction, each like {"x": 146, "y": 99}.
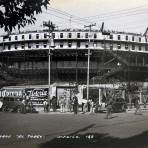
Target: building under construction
{"x": 115, "y": 57}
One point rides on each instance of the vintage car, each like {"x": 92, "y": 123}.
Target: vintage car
{"x": 11, "y": 104}
{"x": 14, "y": 104}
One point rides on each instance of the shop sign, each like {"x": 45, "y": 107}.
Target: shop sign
{"x": 11, "y": 93}
{"x": 37, "y": 92}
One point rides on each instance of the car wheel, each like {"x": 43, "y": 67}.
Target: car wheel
{"x": 4, "y": 109}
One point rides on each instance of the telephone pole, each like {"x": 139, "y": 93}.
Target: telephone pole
{"x": 51, "y": 28}
{"x": 88, "y": 58}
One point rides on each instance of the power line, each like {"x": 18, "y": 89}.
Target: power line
{"x": 121, "y": 15}
{"x": 118, "y": 11}
{"x": 68, "y": 15}
{"x": 62, "y": 17}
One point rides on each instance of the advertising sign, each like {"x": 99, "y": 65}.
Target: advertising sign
{"x": 11, "y": 93}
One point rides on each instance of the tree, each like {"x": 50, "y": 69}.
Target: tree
{"x": 19, "y": 13}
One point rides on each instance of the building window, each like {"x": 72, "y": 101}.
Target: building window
{"x": 111, "y": 37}
{"x": 61, "y": 35}
{"x": 78, "y": 44}
{"x": 37, "y": 36}
{"x": 69, "y": 35}
{"x": 95, "y": 45}
{"x": 95, "y": 36}
{"x": 133, "y": 38}
{"x": 30, "y": 36}
{"x": 29, "y": 45}
{"x": 126, "y": 37}
{"x": 61, "y": 45}
{"x": 119, "y": 46}
{"x": 45, "y": 45}
{"x": 78, "y": 35}
{"x": 139, "y": 39}
{"x": 133, "y": 47}
{"x": 37, "y": 45}
{"x": 146, "y": 48}
{"x": 45, "y": 35}
{"x": 69, "y": 44}
{"x": 9, "y": 47}
{"x": 139, "y": 48}
{"x": 9, "y": 38}
{"x": 86, "y": 35}
{"x": 86, "y": 45}
{"x": 119, "y": 37}
{"x": 23, "y": 37}
{"x": 15, "y": 37}
{"x": 23, "y": 46}
{"x": 126, "y": 46}
{"x": 111, "y": 46}
{"x": 15, "y": 46}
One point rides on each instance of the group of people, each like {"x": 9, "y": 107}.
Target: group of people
{"x": 110, "y": 101}
{"x": 68, "y": 105}
{"x": 26, "y": 106}
{"x": 72, "y": 105}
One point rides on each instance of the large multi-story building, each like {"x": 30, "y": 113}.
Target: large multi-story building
{"x": 114, "y": 56}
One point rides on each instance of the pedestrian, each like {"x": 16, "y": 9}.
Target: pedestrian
{"x": 137, "y": 106}
{"x": 70, "y": 105}
{"x": 88, "y": 106}
{"x": 62, "y": 104}
{"x": 45, "y": 104}
{"x": 91, "y": 106}
{"x": 23, "y": 106}
{"x": 109, "y": 102}
{"x": 82, "y": 107}
{"x": 75, "y": 105}
{"x": 30, "y": 105}
{"x": 54, "y": 103}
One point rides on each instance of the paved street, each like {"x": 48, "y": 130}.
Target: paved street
{"x": 73, "y": 131}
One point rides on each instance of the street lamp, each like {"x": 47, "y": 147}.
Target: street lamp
{"x": 51, "y": 27}
{"x": 88, "y": 58}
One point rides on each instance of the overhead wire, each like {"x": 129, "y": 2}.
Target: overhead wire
{"x": 62, "y": 17}
{"x": 68, "y": 14}
{"x": 118, "y": 12}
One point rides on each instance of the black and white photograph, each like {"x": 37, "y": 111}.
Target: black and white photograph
{"x": 73, "y": 74}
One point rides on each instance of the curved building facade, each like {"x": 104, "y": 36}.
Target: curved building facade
{"x": 114, "y": 56}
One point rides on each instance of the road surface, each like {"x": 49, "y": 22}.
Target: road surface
{"x": 60, "y": 130}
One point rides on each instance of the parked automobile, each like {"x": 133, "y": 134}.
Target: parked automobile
{"x": 11, "y": 104}
{"x": 119, "y": 105}
{"x": 14, "y": 104}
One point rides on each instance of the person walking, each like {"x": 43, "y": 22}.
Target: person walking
{"x": 137, "y": 106}
{"x": 70, "y": 105}
{"x": 109, "y": 102}
{"x": 75, "y": 105}
{"x": 54, "y": 103}
{"x": 23, "y": 106}
{"x": 62, "y": 104}
{"x": 46, "y": 105}
{"x": 91, "y": 106}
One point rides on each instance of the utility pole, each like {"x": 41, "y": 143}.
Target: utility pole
{"x": 88, "y": 58}
{"x": 51, "y": 27}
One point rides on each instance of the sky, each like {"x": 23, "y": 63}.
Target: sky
{"x": 119, "y": 15}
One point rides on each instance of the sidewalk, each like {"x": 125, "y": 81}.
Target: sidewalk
{"x": 41, "y": 111}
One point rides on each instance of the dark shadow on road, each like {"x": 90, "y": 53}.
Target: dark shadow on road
{"x": 83, "y": 129}
{"x": 97, "y": 140}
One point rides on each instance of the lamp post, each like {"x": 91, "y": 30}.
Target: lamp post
{"x": 51, "y": 27}
{"x": 88, "y": 57}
